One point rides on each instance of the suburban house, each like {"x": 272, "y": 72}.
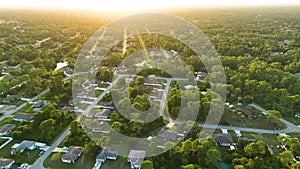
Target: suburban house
{"x": 98, "y": 127}
{"x": 201, "y": 75}
{"x": 247, "y": 112}
{"x": 38, "y": 105}
{"x": 74, "y": 152}
{"x": 73, "y": 102}
{"x": 6, "y": 129}
{"x": 167, "y": 135}
{"x": 23, "y": 117}
{"x": 7, "y": 78}
{"x": 106, "y": 154}
{"x": 103, "y": 114}
{"x": 82, "y": 95}
{"x": 66, "y": 108}
{"x": 174, "y": 53}
{"x": 108, "y": 105}
{"x": 6, "y": 163}
{"x": 68, "y": 70}
{"x": 136, "y": 157}
{"x": 19, "y": 148}
{"x": 41, "y": 146}
{"x": 10, "y": 98}
{"x": 223, "y": 139}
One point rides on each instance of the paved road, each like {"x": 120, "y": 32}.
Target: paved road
{"x": 290, "y": 127}
{"x": 10, "y": 113}
{"x": 124, "y": 43}
{"x": 162, "y": 111}
{"x": 102, "y": 95}
{"x": 38, "y": 164}
{"x": 253, "y": 130}
{"x": 97, "y": 42}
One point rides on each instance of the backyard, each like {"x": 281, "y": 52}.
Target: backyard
{"x": 54, "y": 162}
{"x": 120, "y": 163}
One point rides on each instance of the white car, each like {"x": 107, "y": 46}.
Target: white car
{"x": 24, "y": 166}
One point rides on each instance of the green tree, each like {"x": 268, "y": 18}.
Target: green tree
{"x": 213, "y": 157}
{"x": 239, "y": 167}
{"x": 189, "y": 166}
{"x": 286, "y": 158}
{"x": 273, "y": 115}
{"x": 147, "y": 164}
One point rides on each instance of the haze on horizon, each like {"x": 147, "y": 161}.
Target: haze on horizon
{"x": 135, "y": 5}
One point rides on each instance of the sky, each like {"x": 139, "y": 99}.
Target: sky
{"x": 131, "y": 5}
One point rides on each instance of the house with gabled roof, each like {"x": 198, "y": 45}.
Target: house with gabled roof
{"x": 106, "y": 154}
{"x": 74, "y": 152}
{"x": 247, "y": 112}
{"x": 6, "y": 129}
{"x": 6, "y": 163}
{"x": 103, "y": 114}
{"x": 136, "y": 157}
{"x": 167, "y": 135}
{"x": 20, "y": 148}
{"x": 23, "y": 117}
{"x": 10, "y": 98}
{"x": 223, "y": 139}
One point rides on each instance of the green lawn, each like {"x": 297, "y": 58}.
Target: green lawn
{"x": 162, "y": 80}
{"x": 54, "y": 162}
{"x": 294, "y": 135}
{"x": 98, "y": 93}
{"x": 27, "y": 109}
{"x": 293, "y": 120}
{"x": 120, "y": 163}
{"x": 270, "y": 139}
{"x": 103, "y": 85}
{"x": 9, "y": 121}
{"x": 1, "y": 86}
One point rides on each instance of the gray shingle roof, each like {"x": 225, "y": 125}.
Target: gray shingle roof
{"x": 5, "y": 162}
{"x": 24, "y": 116}
{"x": 106, "y": 153}
{"x": 136, "y": 156}
{"x": 73, "y": 153}
{"x": 222, "y": 138}
{"x": 7, "y": 127}
{"x": 168, "y": 135}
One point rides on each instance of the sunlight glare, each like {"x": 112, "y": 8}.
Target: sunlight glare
{"x": 131, "y": 5}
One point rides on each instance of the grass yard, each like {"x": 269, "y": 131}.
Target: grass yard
{"x": 27, "y": 109}
{"x": 54, "y": 162}
{"x": 9, "y": 121}
{"x": 270, "y": 139}
{"x": 98, "y": 93}
{"x": 103, "y": 85}
{"x": 294, "y": 135}
{"x": 293, "y": 120}
{"x": 1, "y": 86}
{"x": 120, "y": 163}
